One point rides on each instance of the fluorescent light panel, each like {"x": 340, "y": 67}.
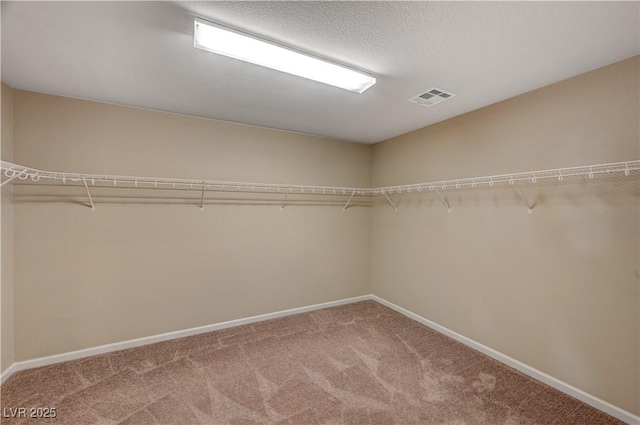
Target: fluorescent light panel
{"x": 228, "y": 42}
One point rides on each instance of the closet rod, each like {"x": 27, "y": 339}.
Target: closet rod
{"x": 20, "y": 172}
{"x": 559, "y": 174}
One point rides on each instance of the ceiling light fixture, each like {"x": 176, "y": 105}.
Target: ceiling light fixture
{"x": 230, "y": 42}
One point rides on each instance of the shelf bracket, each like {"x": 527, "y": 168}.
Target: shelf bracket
{"x": 444, "y": 201}
{"x": 524, "y": 200}
{"x": 93, "y": 207}
{"x": 284, "y": 200}
{"x": 349, "y": 200}
{"x": 9, "y": 180}
{"x": 202, "y": 198}
{"x": 390, "y": 201}
{"x": 17, "y": 174}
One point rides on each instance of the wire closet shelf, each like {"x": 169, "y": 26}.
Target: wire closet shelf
{"x": 13, "y": 171}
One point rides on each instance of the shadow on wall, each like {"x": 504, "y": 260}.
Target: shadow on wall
{"x": 77, "y": 194}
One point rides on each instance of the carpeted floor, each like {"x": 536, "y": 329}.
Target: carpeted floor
{"x": 356, "y": 364}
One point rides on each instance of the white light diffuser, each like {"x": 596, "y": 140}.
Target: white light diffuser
{"x": 228, "y": 42}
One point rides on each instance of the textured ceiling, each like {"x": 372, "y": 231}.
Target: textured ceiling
{"x": 141, "y": 54}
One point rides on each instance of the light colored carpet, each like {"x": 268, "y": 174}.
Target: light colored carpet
{"x": 356, "y": 364}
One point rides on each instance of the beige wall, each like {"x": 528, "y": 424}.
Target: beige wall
{"x": 6, "y": 234}
{"x": 132, "y": 269}
{"x": 558, "y": 289}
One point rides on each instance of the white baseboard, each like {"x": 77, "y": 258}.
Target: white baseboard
{"x": 102, "y": 349}
{"x": 589, "y": 399}
{"x": 7, "y": 373}
{"x": 574, "y": 392}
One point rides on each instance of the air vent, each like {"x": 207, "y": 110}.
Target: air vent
{"x": 432, "y": 97}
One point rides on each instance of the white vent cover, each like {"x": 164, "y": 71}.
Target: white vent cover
{"x": 431, "y": 97}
